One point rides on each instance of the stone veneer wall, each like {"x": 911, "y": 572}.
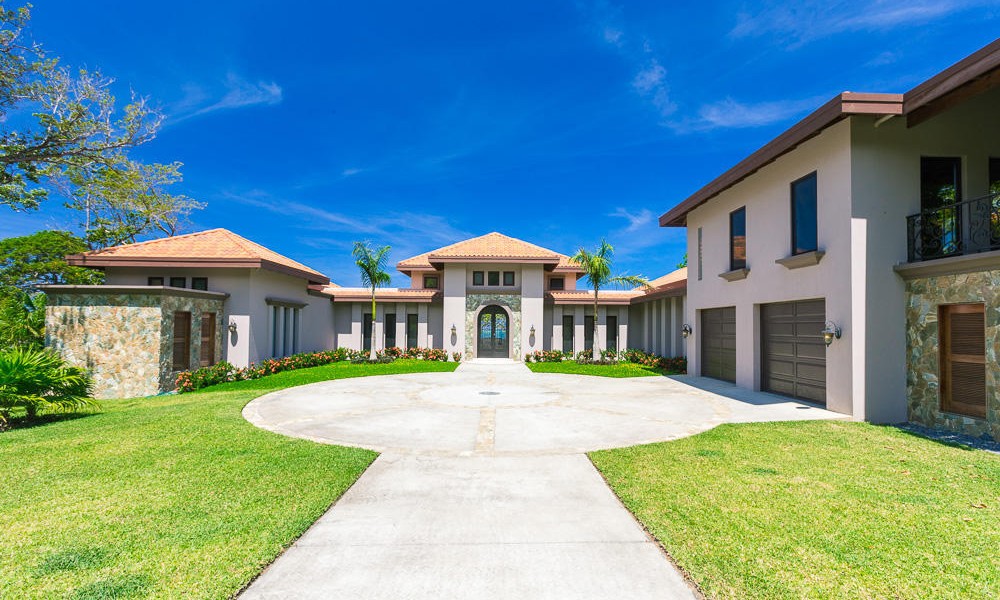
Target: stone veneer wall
{"x": 473, "y": 302}
{"x": 923, "y": 296}
{"x": 125, "y": 340}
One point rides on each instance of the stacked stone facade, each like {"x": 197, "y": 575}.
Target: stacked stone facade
{"x": 923, "y": 297}
{"x": 124, "y": 337}
{"x": 475, "y": 302}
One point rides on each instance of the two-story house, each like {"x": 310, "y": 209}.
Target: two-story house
{"x": 854, "y": 260}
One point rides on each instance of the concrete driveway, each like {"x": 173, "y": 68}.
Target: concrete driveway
{"x": 482, "y": 489}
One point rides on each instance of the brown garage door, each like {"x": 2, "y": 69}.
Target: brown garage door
{"x": 794, "y": 355}
{"x": 718, "y": 343}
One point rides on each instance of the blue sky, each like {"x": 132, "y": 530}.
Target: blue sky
{"x": 306, "y": 125}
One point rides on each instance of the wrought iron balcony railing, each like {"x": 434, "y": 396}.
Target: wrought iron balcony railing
{"x": 955, "y": 229}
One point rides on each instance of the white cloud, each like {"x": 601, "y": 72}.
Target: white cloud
{"x": 236, "y": 92}
{"x": 733, "y": 114}
{"x": 351, "y": 172}
{"x": 636, "y": 220}
{"x": 883, "y": 59}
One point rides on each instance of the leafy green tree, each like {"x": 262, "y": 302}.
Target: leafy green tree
{"x": 53, "y": 118}
{"x": 596, "y": 266}
{"x": 22, "y": 319}
{"x": 39, "y": 381}
{"x": 373, "y": 263}
{"x": 40, "y": 258}
{"x": 684, "y": 261}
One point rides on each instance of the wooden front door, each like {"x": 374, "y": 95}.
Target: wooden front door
{"x": 493, "y": 333}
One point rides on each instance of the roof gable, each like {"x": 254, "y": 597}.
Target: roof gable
{"x": 492, "y": 247}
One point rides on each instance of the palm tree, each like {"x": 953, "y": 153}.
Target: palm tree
{"x": 372, "y": 262}
{"x": 597, "y": 268}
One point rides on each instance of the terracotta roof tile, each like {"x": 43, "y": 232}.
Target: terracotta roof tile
{"x": 488, "y": 248}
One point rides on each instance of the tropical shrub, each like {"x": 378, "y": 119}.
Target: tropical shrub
{"x": 546, "y": 356}
{"x": 456, "y": 356}
{"x": 35, "y": 382}
{"x": 22, "y": 319}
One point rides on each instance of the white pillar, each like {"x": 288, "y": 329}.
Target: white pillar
{"x": 673, "y": 327}
{"x": 422, "y": 325}
{"x": 557, "y": 312}
{"x": 578, "y": 325}
{"x": 623, "y": 328}
{"x": 400, "y": 325}
{"x": 357, "y": 324}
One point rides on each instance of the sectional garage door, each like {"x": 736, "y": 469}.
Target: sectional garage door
{"x": 794, "y": 355}
{"x": 718, "y": 343}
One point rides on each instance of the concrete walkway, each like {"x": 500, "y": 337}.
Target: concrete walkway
{"x": 483, "y": 489}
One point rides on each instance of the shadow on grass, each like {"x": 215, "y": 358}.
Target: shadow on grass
{"x": 23, "y": 422}
{"x": 946, "y": 438}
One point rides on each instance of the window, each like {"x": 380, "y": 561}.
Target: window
{"x": 411, "y": 331}
{"x": 154, "y": 281}
{"x": 738, "y": 239}
{"x": 199, "y": 283}
{"x": 431, "y": 282}
{"x": 390, "y": 330}
{"x": 494, "y": 277}
{"x": 995, "y": 175}
{"x": 286, "y": 322}
{"x": 940, "y": 181}
{"x": 477, "y": 278}
{"x": 206, "y": 358}
{"x": 611, "y": 333}
{"x": 366, "y": 332}
{"x": 567, "y": 333}
{"x": 804, "y": 237}
{"x": 588, "y": 334}
{"x": 699, "y": 254}
{"x": 557, "y": 283}
{"x": 182, "y": 341}
{"x": 178, "y": 282}
{"x": 962, "y": 347}
{"x": 508, "y": 277}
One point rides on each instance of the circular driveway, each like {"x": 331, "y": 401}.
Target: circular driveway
{"x": 489, "y": 409}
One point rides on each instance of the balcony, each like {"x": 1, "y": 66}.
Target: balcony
{"x": 958, "y": 229}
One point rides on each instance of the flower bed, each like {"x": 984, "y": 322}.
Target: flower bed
{"x": 676, "y": 364}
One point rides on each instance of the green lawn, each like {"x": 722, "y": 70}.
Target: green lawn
{"x": 621, "y": 369}
{"x": 818, "y": 510}
{"x": 172, "y": 496}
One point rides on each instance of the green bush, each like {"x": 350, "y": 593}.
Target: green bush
{"x": 34, "y": 382}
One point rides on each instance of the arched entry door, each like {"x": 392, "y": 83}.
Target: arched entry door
{"x": 494, "y": 333}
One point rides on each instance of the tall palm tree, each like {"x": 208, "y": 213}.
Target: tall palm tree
{"x": 372, "y": 262}
{"x": 596, "y": 266}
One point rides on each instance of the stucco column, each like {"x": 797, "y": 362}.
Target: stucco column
{"x": 357, "y": 323}
{"x": 623, "y": 328}
{"x": 578, "y": 325}
{"x": 400, "y": 325}
{"x": 454, "y": 309}
{"x": 532, "y": 308}
{"x": 673, "y": 326}
{"x": 557, "y": 328}
{"x": 422, "y": 325}
{"x": 601, "y": 335}
{"x": 647, "y": 327}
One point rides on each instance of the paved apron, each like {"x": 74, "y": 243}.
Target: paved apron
{"x": 482, "y": 489}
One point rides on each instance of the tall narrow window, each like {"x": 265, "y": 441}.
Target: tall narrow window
{"x": 390, "y": 330}
{"x": 804, "y": 228}
{"x": 940, "y": 181}
{"x": 296, "y": 328}
{"x": 699, "y": 254}
{"x": 182, "y": 341}
{"x": 588, "y": 333}
{"x": 962, "y": 348}
{"x": 508, "y": 277}
{"x": 995, "y": 176}
{"x": 493, "y": 277}
{"x": 611, "y": 335}
{"x": 276, "y": 331}
{"x": 738, "y": 239}
{"x": 366, "y": 332}
{"x": 567, "y": 333}
{"x": 206, "y": 357}
{"x": 411, "y": 331}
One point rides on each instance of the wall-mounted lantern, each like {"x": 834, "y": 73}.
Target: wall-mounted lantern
{"x": 532, "y": 331}
{"x": 830, "y": 332}
{"x": 232, "y": 327}
{"x": 453, "y": 330}
{"x": 686, "y": 331}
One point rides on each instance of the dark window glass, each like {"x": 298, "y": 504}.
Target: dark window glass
{"x": 995, "y": 175}
{"x": 477, "y": 278}
{"x": 199, "y": 283}
{"x": 940, "y": 181}
{"x": 182, "y": 341}
{"x": 494, "y": 277}
{"x": 611, "y": 333}
{"x": 588, "y": 333}
{"x": 567, "y": 333}
{"x": 804, "y": 215}
{"x": 557, "y": 283}
{"x": 366, "y": 332}
{"x": 431, "y": 282}
{"x": 508, "y": 277}
{"x": 178, "y": 282}
{"x": 154, "y": 281}
{"x": 738, "y": 239}
{"x": 390, "y": 330}
{"x": 411, "y": 331}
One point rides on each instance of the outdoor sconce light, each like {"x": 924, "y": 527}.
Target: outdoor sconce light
{"x": 232, "y": 327}
{"x": 453, "y": 330}
{"x": 532, "y": 331}
{"x": 830, "y": 331}
{"x": 685, "y": 331}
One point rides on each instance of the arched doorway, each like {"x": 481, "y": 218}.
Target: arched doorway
{"x": 493, "y": 333}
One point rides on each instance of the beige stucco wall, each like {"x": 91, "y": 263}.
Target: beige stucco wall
{"x": 656, "y": 326}
{"x": 766, "y": 194}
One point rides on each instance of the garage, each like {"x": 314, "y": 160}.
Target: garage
{"x": 793, "y": 353}
{"x": 718, "y": 343}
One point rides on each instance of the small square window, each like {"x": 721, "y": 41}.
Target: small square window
{"x": 557, "y": 283}
{"x": 477, "y": 278}
{"x": 430, "y": 282}
{"x": 199, "y": 283}
{"x": 494, "y": 277}
{"x": 508, "y": 277}
{"x": 154, "y": 281}
{"x": 178, "y": 282}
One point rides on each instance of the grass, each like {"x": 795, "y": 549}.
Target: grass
{"x": 621, "y": 369}
{"x": 818, "y": 510}
{"x": 171, "y": 496}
